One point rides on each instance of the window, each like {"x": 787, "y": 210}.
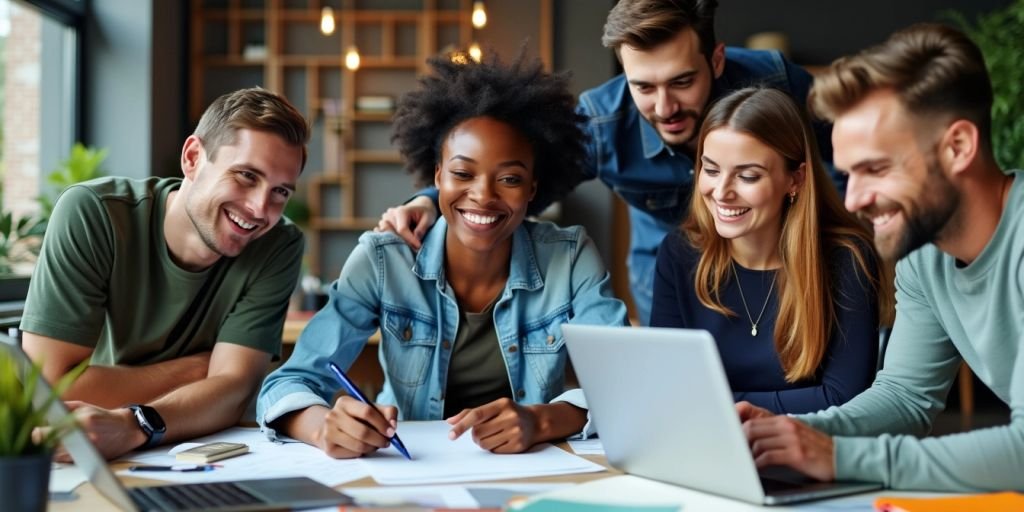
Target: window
{"x": 39, "y": 103}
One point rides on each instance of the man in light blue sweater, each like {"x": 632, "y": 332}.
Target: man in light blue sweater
{"x": 912, "y": 129}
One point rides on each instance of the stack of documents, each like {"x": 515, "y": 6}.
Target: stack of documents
{"x": 266, "y": 459}
{"x": 435, "y": 459}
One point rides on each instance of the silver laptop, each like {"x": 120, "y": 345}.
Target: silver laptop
{"x": 264, "y": 494}
{"x": 663, "y": 410}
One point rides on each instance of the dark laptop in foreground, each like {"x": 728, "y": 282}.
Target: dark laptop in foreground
{"x": 265, "y": 494}
{"x": 664, "y": 411}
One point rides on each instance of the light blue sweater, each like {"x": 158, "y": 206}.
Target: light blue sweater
{"x": 944, "y": 313}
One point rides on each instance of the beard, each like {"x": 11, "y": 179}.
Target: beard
{"x": 674, "y": 140}
{"x": 926, "y": 222}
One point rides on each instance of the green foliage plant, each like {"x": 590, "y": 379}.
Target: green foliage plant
{"x": 1000, "y": 35}
{"x": 82, "y": 164}
{"x": 18, "y": 414}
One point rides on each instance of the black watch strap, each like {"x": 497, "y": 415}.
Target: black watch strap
{"x": 150, "y": 423}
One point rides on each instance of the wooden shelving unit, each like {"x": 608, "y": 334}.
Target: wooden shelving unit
{"x": 353, "y": 172}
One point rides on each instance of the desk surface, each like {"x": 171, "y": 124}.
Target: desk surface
{"x": 296, "y": 322}
{"x": 90, "y": 499}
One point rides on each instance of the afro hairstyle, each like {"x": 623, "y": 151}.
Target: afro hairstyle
{"x": 536, "y": 103}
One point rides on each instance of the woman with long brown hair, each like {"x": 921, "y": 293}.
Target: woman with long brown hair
{"x": 771, "y": 263}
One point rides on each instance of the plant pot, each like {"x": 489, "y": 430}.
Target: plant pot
{"x": 25, "y": 482}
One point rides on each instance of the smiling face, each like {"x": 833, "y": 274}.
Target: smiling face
{"x": 240, "y": 195}
{"x": 745, "y": 184}
{"x": 485, "y": 183}
{"x": 671, "y": 84}
{"x": 894, "y": 183}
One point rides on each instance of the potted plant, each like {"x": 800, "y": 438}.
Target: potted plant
{"x": 24, "y": 455}
{"x": 21, "y": 238}
{"x": 1000, "y": 35}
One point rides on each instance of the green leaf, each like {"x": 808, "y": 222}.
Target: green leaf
{"x": 19, "y": 414}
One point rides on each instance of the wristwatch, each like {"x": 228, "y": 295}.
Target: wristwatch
{"x": 150, "y": 423}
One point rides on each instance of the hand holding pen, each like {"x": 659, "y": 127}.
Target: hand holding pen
{"x": 355, "y": 426}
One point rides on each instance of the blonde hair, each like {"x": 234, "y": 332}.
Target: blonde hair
{"x": 812, "y": 225}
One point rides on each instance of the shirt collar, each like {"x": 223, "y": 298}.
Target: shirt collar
{"x": 523, "y": 270}
{"x": 652, "y": 142}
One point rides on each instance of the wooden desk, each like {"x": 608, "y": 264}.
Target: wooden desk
{"x": 90, "y": 499}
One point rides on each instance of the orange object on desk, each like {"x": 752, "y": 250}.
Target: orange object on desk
{"x": 994, "y": 502}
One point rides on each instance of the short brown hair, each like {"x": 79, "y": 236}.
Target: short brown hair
{"x": 932, "y": 68}
{"x": 254, "y": 109}
{"x": 644, "y": 24}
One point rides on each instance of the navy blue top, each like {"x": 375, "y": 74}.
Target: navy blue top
{"x": 751, "y": 362}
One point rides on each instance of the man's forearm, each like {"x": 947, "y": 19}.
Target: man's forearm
{"x": 209, "y": 405}
{"x": 116, "y": 386}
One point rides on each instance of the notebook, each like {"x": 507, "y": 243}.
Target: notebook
{"x": 663, "y": 409}
{"x": 992, "y": 502}
{"x": 263, "y": 494}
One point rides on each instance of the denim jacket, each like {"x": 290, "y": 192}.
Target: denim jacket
{"x": 556, "y": 275}
{"x": 628, "y": 155}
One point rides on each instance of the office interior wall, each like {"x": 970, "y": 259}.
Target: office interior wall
{"x": 133, "y": 99}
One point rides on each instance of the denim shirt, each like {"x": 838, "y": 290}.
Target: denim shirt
{"x": 555, "y": 276}
{"x": 628, "y": 155}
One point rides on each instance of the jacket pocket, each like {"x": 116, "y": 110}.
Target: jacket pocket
{"x": 544, "y": 352}
{"x": 408, "y": 342}
{"x": 666, "y": 203}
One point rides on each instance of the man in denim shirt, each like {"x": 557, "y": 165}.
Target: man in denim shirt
{"x": 643, "y": 123}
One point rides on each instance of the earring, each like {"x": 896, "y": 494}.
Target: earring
{"x": 792, "y": 197}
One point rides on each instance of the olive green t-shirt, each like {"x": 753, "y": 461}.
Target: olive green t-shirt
{"x": 105, "y": 279}
{"x": 476, "y": 373}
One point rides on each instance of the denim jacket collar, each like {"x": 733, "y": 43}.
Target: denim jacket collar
{"x": 652, "y": 142}
{"x": 523, "y": 272}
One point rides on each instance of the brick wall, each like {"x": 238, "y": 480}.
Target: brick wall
{"x": 21, "y": 111}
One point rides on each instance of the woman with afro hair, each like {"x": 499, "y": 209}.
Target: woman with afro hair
{"x": 470, "y": 321}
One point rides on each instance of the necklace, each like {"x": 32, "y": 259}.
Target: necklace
{"x": 753, "y": 323}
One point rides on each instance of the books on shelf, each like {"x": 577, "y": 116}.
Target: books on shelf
{"x": 375, "y": 104}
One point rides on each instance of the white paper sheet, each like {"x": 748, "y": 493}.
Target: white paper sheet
{"x": 587, "y": 447}
{"x": 65, "y": 477}
{"x": 265, "y": 459}
{"x": 436, "y": 459}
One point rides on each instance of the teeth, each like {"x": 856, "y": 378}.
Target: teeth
{"x": 878, "y": 220}
{"x": 480, "y": 219}
{"x": 238, "y": 220}
{"x": 732, "y": 212}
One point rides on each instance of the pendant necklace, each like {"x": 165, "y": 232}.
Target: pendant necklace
{"x": 753, "y": 322}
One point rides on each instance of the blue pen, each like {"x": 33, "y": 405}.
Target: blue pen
{"x": 351, "y": 388}
{"x": 177, "y": 467}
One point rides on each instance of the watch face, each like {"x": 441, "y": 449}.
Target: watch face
{"x": 153, "y": 418}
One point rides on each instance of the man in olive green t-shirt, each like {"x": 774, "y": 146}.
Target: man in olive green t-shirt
{"x": 175, "y": 289}
{"x": 912, "y": 128}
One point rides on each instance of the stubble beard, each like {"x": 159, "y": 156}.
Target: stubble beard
{"x": 928, "y": 222}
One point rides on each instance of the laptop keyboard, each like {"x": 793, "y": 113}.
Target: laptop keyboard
{"x": 191, "y": 496}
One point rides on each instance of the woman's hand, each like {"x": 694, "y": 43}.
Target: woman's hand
{"x": 352, "y": 428}
{"x": 501, "y": 426}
